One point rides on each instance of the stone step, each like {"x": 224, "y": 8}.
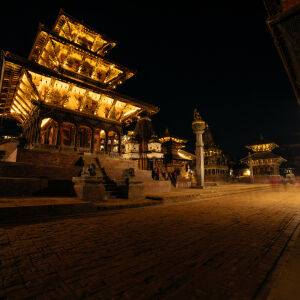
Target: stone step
{"x": 21, "y": 186}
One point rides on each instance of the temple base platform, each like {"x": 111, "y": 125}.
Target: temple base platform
{"x": 50, "y": 172}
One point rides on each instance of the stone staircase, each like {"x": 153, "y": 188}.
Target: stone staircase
{"x": 112, "y": 190}
{"x": 114, "y": 171}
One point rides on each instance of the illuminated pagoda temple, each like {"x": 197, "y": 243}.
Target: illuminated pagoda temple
{"x": 63, "y": 94}
{"x": 215, "y": 162}
{"x": 262, "y": 161}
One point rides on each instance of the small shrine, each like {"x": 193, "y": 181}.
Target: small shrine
{"x": 174, "y": 155}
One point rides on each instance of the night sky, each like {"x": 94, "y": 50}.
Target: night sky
{"x": 216, "y": 58}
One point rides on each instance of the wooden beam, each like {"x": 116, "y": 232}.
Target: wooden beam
{"x": 20, "y": 108}
{"x": 98, "y": 104}
{"x": 117, "y": 78}
{"x": 101, "y": 47}
{"x": 111, "y": 109}
{"x": 20, "y": 112}
{"x": 78, "y": 32}
{"x": 68, "y": 94}
{"x": 83, "y": 100}
{"x": 123, "y": 112}
{"x": 21, "y": 104}
{"x": 134, "y": 114}
{"x": 94, "y": 42}
{"x": 50, "y": 87}
{"x": 49, "y": 56}
{"x": 69, "y": 30}
{"x": 53, "y": 46}
{"x": 107, "y": 75}
{"x": 29, "y": 78}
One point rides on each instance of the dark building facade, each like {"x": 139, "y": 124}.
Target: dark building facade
{"x": 284, "y": 25}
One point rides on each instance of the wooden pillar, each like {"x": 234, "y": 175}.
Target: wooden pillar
{"x": 119, "y": 144}
{"x": 92, "y": 140}
{"x": 58, "y": 138}
{"x": 30, "y": 134}
{"x": 76, "y": 135}
{"x": 106, "y": 141}
{"x": 38, "y": 129}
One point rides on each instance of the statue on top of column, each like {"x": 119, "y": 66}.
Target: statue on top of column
{"x": 197, "y": 116}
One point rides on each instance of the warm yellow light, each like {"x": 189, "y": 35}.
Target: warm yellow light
{"x": 248, "y": 172}
{"x": 184, "y": 156}
{"x": 44, "y": 122}
{"x": 131, "y": 111}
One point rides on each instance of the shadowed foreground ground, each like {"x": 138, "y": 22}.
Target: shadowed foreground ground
{"x": 215, "y": 249}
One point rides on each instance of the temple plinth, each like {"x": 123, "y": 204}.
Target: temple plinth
{"x": 198, "y": 126}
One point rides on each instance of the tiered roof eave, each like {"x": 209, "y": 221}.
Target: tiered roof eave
{"x": 22, "y": 65}
{"x": 38, "y": 45}
{"x": 103, "y": 36}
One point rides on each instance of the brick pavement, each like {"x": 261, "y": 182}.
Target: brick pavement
{"x": 216, "y": 249}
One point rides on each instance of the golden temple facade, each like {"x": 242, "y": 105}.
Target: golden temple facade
{"x": 64, "y": 94}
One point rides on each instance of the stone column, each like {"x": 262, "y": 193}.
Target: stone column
{"x": 198, "y": 127}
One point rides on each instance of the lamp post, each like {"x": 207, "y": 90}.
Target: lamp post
{"x": 198, "y": 126}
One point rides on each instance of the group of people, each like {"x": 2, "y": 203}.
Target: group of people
{"x": 162, "y": 174}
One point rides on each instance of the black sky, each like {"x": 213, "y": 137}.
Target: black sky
{"x": 215, "y": 57}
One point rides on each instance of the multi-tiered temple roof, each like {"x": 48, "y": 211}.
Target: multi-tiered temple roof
{"x": 66, "y": 70}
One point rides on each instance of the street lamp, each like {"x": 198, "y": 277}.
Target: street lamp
{"x": 198, "y": 126}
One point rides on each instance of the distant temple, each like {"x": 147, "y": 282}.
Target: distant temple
{"x": 262, "y": 160}
{"x": 63, "y": 94}
{"x": 215, "y": 162}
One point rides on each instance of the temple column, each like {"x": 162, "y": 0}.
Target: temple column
{"x": 76, "y": 135}
{"x": 58, "y": 138}
{"x": 36, "y": 127}
{"x": 106, "y": 142}
{"x": 119, "y": 143}
{"x": 39, "y": 122}
{"x": 198, "y": 127}
{"x": 30, "y": 134}
{"x": 92, "y": 140}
